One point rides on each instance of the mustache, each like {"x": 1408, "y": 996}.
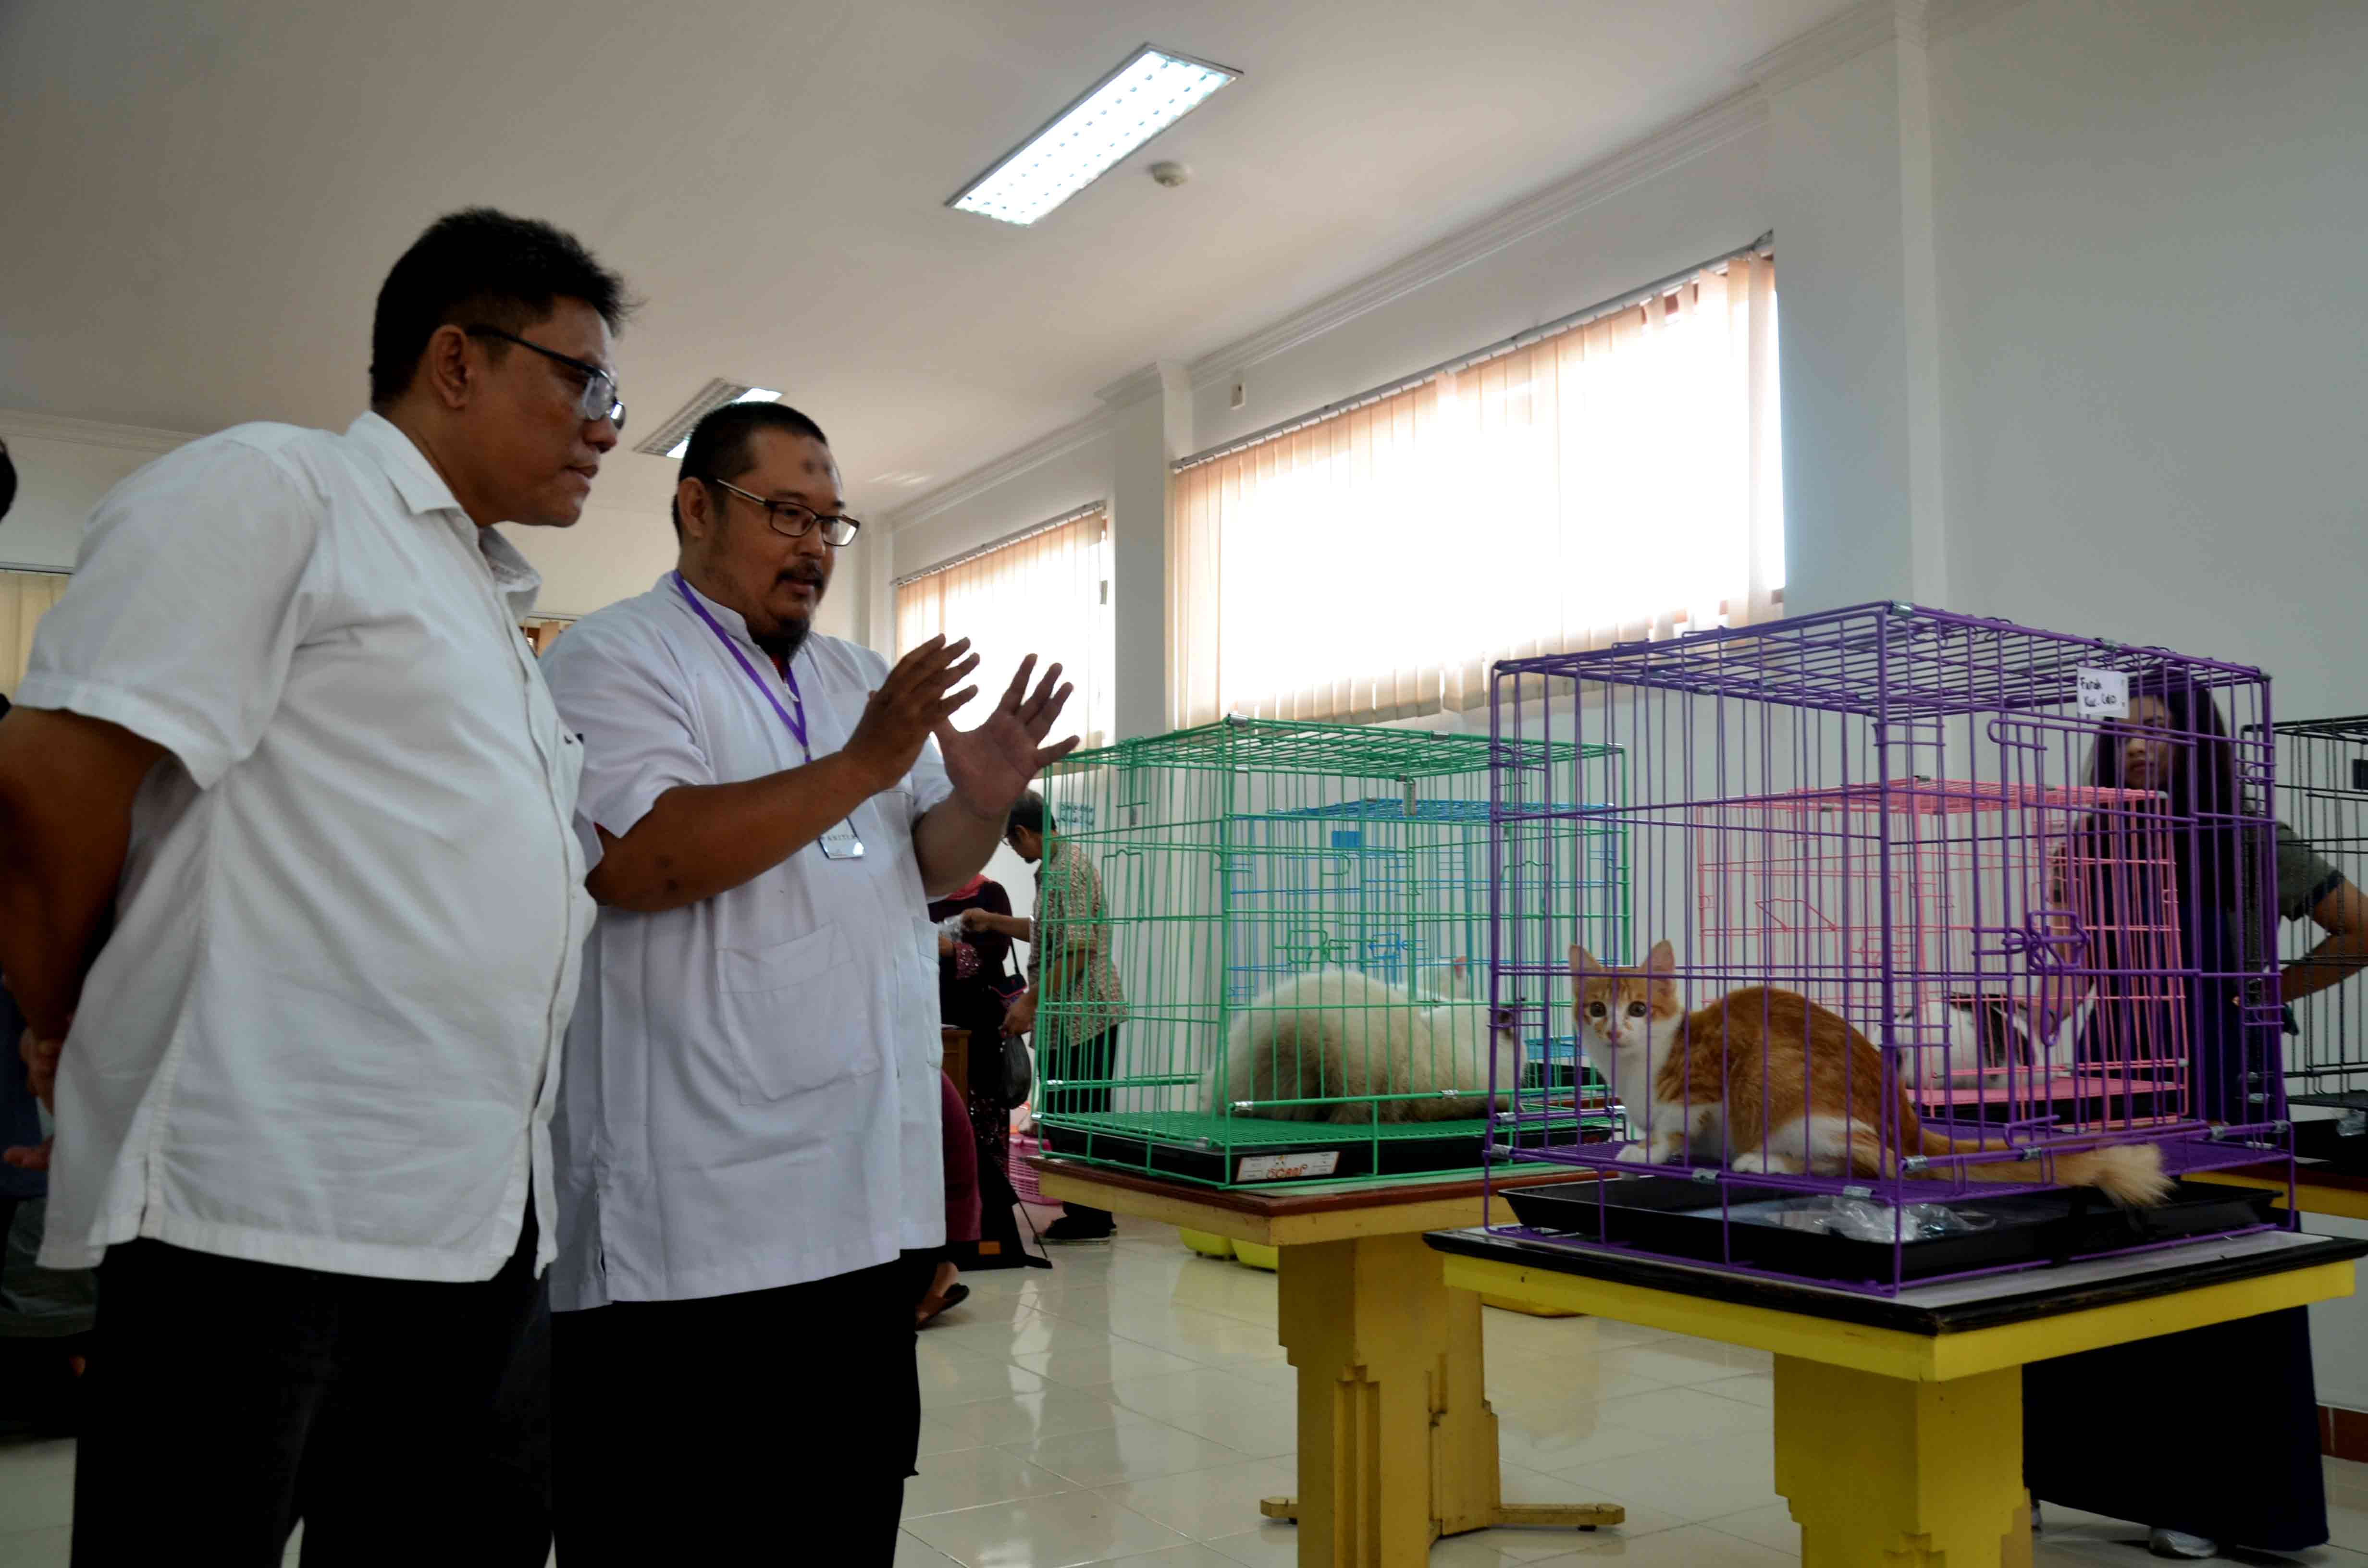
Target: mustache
{"x": 810, "y": 576}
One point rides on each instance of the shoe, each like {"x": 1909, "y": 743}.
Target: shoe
{"x": 1069, "y": 1228}
{"x": 937, "y": 1303}
{"x": 2175, "y": 1543}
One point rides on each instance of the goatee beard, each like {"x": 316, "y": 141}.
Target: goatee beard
{"x": 782, "y": 645}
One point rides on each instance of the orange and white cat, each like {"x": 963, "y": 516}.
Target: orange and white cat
{"x": 1765, "y": 1079}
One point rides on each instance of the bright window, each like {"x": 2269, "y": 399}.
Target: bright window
{"x": 1618, "y": 480}
{"x": 1045, "y": 592}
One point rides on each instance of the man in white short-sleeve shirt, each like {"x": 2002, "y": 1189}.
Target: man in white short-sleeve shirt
{"x": 286, "y": 833}
{"x": 748, "y": 1136}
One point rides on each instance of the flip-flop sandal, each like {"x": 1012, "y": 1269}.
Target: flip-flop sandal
{"x": 933, "y": 1304}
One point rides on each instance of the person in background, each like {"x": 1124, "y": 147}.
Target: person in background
{"x": 2267, "y": 1493}
{"x": 749, "y": 1139}
{"x": 934, "y": 1269}
{"x": 974, "y": 985}
{"x": 317, "y": 981}
{"x": 1068, "y": 967}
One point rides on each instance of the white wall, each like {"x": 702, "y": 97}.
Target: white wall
{"x": 1707, "y": 206}
{"x": 61, "y": 471}
{"x": 2149, "y": 217}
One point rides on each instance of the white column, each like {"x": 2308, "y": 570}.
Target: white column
{"x": 1152, "y": 420}
{"x": 1850, "y": 168}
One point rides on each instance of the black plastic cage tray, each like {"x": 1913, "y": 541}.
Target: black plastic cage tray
{"x": 2328, "y": 1143}
{"x": 1679, "y": 1218}
{"x": 1311, "y": 1150}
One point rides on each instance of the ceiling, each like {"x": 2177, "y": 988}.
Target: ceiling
{"x": 203, "y": 195}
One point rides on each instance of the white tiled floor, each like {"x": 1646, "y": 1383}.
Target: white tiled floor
{"x": 1130, "y": 1405}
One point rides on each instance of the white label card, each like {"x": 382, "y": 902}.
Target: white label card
{"x": 2104, "y": 694}
{"x": 1288, "y": 1167}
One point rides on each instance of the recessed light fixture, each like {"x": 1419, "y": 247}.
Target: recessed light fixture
{"x": 672, "y": 438}
{"x": 1150, "y": 91}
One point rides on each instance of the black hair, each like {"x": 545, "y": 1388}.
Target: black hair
{"x": 7, "y": 480}
{"x": 480, "y": 265}
{"x": 1030, "y": 812}
{"x": 721, "y": 442}
{"x": 2202, "y": 794}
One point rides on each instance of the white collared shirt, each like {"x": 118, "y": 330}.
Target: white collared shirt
{"x": 752, "y": 1093}
{"x": 324, "y": 1031}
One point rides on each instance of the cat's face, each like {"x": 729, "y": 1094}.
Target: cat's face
{"x": 1624, "y": 1009}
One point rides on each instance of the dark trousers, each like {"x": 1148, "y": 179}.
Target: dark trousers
{"x": 1091, "y": 1058}
{"x": 696, "y": 1431}
{"x": 2088, "y": 1422}
{"x": 404, "y": 1421}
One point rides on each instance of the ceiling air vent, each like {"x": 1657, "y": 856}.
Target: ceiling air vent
{"x": 669, "y": 438}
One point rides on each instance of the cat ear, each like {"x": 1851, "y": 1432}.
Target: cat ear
{"x": 1582, "y": 961}
{"x": 1662, "y": 959}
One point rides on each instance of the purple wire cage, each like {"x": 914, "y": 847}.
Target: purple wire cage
{"x": 1965, "y": 922}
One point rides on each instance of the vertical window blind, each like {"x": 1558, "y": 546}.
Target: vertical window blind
{"x": 25, "y": 597}
{"x": 1044, "y": 592}
{"x": 1619, "y": 479}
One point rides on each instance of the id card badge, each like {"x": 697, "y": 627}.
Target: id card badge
{"x": 840, "y": 843}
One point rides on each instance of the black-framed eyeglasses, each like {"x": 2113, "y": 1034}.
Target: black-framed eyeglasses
{"x": 600, "y": 399}
{"x": 796, "y": 521}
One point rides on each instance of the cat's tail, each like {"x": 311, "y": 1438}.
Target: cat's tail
{"x": 2129, "y": 1174}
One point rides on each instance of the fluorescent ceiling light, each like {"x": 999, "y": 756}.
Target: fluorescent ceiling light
{"x": 754, "y": 395}
{"x": 1150, "y": 92}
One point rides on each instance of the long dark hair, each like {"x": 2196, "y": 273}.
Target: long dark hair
{"x": 2206, "y": 898}
{"x": 2204, "y": 800}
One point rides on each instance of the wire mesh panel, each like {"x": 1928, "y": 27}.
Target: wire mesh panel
{"x": 1298, "y": 915}
{"x": 1949, "y": 942}
{"x": 2323, "y": 805}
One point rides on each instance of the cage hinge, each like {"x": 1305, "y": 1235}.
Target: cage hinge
{"x": 1705, "y": 1175}
{"x": 1915, "y": 1165}
{"x": 1858, "y": 1192}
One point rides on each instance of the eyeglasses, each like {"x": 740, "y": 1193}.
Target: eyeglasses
{"x": 789, "y": 517}
{"x": 600, "y": 399}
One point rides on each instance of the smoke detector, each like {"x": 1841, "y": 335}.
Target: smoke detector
{"x": 1169, "y": 173}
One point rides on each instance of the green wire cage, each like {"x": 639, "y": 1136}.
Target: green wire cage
{"x": 1306, "y": 906}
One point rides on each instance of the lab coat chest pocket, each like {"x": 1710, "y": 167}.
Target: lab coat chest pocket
{"x": 796, "y": 1015}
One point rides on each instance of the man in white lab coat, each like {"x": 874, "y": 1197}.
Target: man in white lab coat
{"x": 749, "y": 1134}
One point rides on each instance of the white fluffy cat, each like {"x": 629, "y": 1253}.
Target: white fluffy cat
{"x": 1339, "y": 1035}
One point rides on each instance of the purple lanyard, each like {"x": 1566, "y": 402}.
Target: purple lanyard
{"x": 797, "y": 722}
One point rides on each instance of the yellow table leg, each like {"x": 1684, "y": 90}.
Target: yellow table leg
{"x": 1397, "y": 1445}
{"x": 1889, "y": 1471}
{"x": 1363, "y": 1320}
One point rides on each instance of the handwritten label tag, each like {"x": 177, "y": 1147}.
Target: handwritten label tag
{"x": 1288, "y": 1167}
{"x": 2104, "y": 694}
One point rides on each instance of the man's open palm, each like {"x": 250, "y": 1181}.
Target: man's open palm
{"x": 993, "y": 765}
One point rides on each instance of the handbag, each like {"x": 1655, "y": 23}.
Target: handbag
{"x": 1018, "y": 1068}
{"x": 1019, "y": 1071}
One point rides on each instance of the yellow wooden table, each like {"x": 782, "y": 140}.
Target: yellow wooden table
{"x": 1899, "y": 1421}
{"x": 1397, "y": 1445}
